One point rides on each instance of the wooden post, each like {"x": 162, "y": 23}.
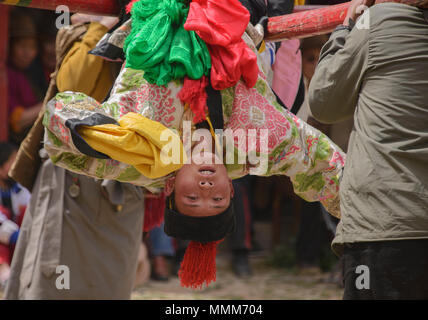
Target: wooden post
{"x": 4, "y": 39}
{"x": 99, "y": 7}
{"x": 306, "y": 23}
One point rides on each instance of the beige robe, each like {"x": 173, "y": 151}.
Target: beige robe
{"x": 88, "y": 234}
{"x": 96, "y": 242}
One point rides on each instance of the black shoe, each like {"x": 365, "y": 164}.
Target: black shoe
{"x": 241, "y": 265}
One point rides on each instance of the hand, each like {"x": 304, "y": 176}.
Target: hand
{"x": 109, "y": 22}
{"x": 355, "y": 9}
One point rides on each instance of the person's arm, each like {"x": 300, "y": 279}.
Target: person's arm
{"x": 335, "y": 86}
{"x": 83, "y": 72}
{"x": 22, "y": 118}
{"x": 80, "y": 69}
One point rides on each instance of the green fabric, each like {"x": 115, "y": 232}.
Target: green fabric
{"x": 160, "y": 46}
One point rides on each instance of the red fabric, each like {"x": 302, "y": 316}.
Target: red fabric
{"x": 154, "y": 208}
{"x": 129, "y": 6}
{"x": 230, "y": 63}
{"x": 4, "y": 254}
{"x": 221, "y": 23}
{"x": 20, "y": 216}
{"x": 198, "y": 265}
{"x": 21, "y": 93}
{"x": 193, "y": 93}
{"x": 5, "y": 250}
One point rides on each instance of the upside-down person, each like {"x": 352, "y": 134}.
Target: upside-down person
{"x": 194, "y": 62}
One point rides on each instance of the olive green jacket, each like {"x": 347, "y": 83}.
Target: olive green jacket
{"x": 379, "y": 74}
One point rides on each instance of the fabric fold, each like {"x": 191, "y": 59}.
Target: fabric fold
{"x": 221, "y": 24}
{"x": 160, "y": 46}
{"x": 138, "y": 141}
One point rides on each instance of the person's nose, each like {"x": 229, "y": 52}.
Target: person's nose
{"x": 206, "y": 184}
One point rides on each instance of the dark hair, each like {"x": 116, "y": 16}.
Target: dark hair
{"x": 271, "y": 8}
{"x": 200, "y": 229}
{"x": 316, "y": 42}
{"x": 6, "y": 150}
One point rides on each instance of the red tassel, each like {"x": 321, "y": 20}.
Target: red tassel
{"x": 129, "y": 6}
{"x": 198, "y": 265}
{"x": 154, "y": 208}
{"x": 193, "y": 93}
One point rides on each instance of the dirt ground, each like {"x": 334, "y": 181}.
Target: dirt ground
{"x": 267, "y": 283}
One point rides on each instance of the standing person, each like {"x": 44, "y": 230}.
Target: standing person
{"x": 47, "y": 46}
{"x": 161, "y": 248}
{"x": 93, "y": 227}
{"x": 376, "y": 70}
{"x": 13, "y": 203}
{"x": 312, "y": 227}
{"x": 24, "y": 96}
{"x": 240, "y": 239}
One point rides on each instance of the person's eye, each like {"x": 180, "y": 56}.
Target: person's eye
{"x": 193, "y": 198}
{"x": 218, "y": 199}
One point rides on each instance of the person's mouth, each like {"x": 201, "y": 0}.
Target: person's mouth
{"x": 207, "y": 170}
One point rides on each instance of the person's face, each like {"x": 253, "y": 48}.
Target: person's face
{"x": 4, "y": 169}
{"x": 201, "y": 189}
{"x": 23, "y": 52}
{"x": 309, "y": 61}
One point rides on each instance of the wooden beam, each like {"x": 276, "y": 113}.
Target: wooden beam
{"x": 322, "y": 20}
{"x": 306, "y": 23}
{"x": 99, "y": 7}
{"x": 107, "y": 7}
{"x": 309, "y": 7}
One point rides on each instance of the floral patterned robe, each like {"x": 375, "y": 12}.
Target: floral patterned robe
{"x": 312, "y": 161}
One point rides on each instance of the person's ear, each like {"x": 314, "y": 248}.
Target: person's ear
{"x": 169, "y": 186}
{"x": 232, "y": 190}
